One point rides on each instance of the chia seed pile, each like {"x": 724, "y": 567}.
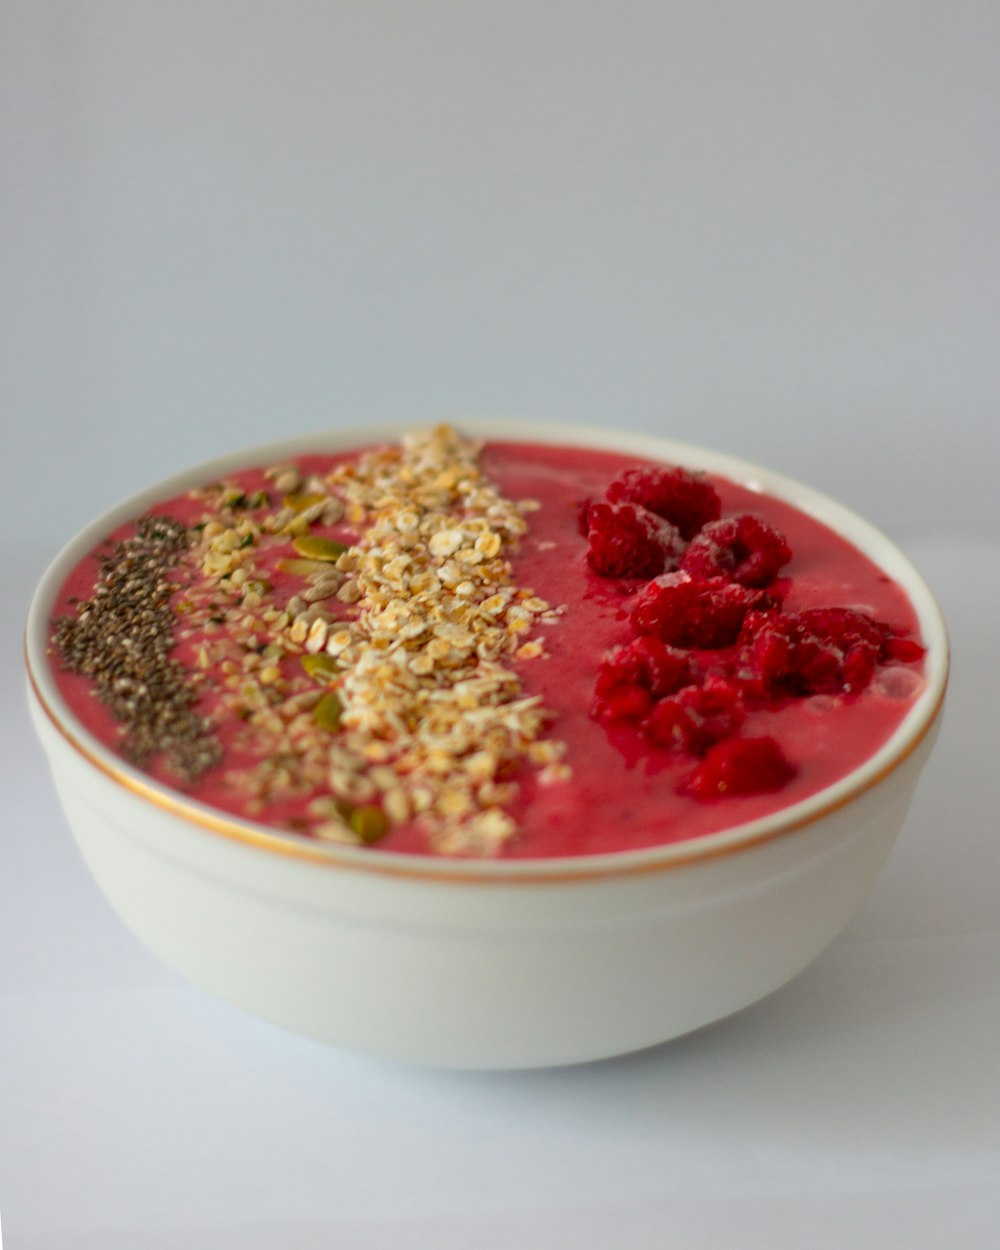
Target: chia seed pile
{"x": 121, "y": 639}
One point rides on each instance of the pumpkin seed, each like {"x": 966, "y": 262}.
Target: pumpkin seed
{"x": 328, "y": 711}
{"x": 369, "y": 823}
{"x": 304, "y": 568}
{"x": 298, "y": 502}
{"x": 321, "y": 666}
{"x": 313, "y": 547}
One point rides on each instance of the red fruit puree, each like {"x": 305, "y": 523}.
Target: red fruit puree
{"x": 518, "y": 651}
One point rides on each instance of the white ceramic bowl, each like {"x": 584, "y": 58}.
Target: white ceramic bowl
{"x": 485, "y": 964}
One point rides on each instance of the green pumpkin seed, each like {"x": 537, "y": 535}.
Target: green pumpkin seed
{"x": 304, "y": 568}
{"x": 315, "y": 548}
{"x": 298, "y": 501}
{"x": 369, "y": 823}
{"x": 328, "y": 711}
{"x": 323, "y": 667}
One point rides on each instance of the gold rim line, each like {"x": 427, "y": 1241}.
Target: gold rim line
{"x": 262, "y": 839}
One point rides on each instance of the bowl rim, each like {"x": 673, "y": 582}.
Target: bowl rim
{"x": 725, "y": 842}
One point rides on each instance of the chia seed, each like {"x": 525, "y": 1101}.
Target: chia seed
{"x": 121, "y": 639}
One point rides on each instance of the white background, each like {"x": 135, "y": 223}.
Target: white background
{"x": 769, "y": 228}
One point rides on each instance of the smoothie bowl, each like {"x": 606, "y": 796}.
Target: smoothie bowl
{"x": 501, "y": 746}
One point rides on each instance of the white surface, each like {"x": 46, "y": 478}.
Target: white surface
{"x": 768, "y": 228}
{"x": 858, "y": 1106}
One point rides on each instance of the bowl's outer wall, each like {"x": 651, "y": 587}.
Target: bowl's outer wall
{"x": 470, "y": 974}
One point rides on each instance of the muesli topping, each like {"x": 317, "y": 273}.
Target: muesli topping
{"x": 359, "y": 628}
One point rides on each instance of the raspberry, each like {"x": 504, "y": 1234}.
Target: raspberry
{"x": 696, "y": 717}
{"x": 847, "y": 627}
{"x": 739, "y": 766}
{"x": 625, "y": 701}
{"x": 818, "y": 651}
{"x": 686, "y": 612}
{"x": 843, "y": 626}
{"x": 663, "y": 669}
{"x": 627, "y": 540}
{"x": 631, "y": 676}
{"x": 896, "y": 650}
{"x": 688, "y": 500}
{"x": 741, "y": 548}
{"x": 826, "y": 669}
{"x": 858, "y": 666}
{"x": 767, "y": 660}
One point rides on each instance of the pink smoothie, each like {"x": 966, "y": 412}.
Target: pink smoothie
{"x": 622, "y": 792}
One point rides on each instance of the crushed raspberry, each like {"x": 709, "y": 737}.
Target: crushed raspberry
{"x": 686, "y": 612}
{"x": 583, "y": 517}
{"x": 630, "y": 677}
{"x": 696, "y": 717}
{"x": 741, "y": 549}
{"x": 687, "y": 500}
{"x": 627, "y": 540}
{"x": 739, "y": 766}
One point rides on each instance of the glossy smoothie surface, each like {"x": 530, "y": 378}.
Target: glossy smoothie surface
{"x": 622, "y": 793}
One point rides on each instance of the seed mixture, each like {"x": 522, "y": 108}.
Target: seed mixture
{"x": 356, "y": 627}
